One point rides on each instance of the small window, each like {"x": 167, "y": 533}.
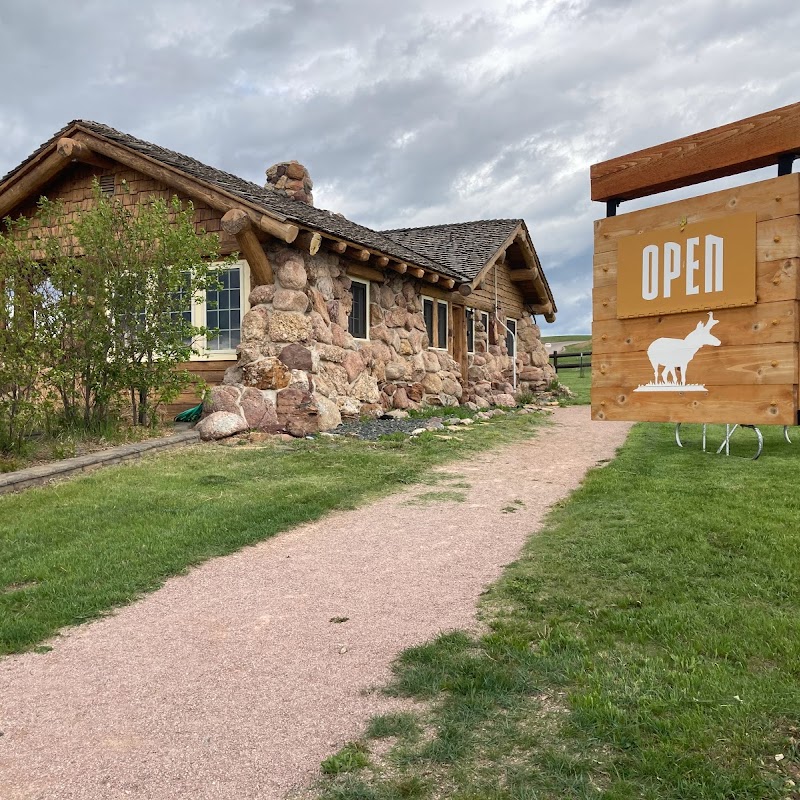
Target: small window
{"x": 470, "y": 331}
{"x": 224, "y": 311}
{"x": 441, "y": 324}
{"x": 427, "y": 313}
{"x": 491, "y": 331}
{"x": 434, "y": 313}
{"x": 358, "y": 321}
{"x": 511, "y": 337}
{"x": 182, "y": 306}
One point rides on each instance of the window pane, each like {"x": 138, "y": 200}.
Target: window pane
{"x": 224, "y": 311}
{"x": 470, "y": 331}
{"x": 427, "y": 313}
{"x": 357, "y": 322}
{"x": 442, "y": 324}
{"x": 511, "y": 337}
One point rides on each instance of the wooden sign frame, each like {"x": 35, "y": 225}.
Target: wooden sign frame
{"x": 722, "y": 360}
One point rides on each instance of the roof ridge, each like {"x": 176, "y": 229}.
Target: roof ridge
{"x": 451, "y": 224}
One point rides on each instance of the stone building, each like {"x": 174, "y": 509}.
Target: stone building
{"x": 321, "y": 317}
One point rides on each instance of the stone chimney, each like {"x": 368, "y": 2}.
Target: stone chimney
{"x": 290, "y": 178}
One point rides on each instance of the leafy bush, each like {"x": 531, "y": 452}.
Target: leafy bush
{"x": 93, "y": 312}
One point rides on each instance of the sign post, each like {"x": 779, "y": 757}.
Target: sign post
{"x": 695, "y": 303}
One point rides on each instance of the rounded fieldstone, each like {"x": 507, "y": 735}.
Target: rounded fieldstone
{"x": 290, "y": 300}
{"x": 292, "y": 275}
{"x": 220, "y": 425}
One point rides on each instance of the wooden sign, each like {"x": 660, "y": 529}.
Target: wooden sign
{"x": 689, "y": 267}
{"x": 695, "y": 308}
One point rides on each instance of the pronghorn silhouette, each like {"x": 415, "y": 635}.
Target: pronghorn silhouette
{"x": 675, "y": 354}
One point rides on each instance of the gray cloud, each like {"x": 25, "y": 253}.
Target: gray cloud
{"x": 406, "y": 113}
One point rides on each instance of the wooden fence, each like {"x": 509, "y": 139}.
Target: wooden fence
{"x": 572, "y": 361}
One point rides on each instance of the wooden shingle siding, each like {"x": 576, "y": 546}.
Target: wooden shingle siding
{"x": 73, "y": 188}
{"x": 508, "y": 294}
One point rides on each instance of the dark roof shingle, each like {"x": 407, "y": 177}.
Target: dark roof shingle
{"x": 272, "y": 202}
{"x": 457, "y": 250}
{"x": 463, "y": 247}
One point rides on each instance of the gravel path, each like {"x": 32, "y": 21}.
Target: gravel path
{"x": 233, "y": 682}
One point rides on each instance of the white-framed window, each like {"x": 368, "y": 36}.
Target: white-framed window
{"x": 358, "y": 321}
{"x": 437, "y": 317}
{"x": 511, "y": 337}
{"x": 221, "y": 309}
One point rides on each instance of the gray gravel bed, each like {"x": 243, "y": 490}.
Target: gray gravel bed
{"x": 375, "y": 428}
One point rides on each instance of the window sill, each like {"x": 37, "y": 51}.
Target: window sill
{"x": 216, "y": 355}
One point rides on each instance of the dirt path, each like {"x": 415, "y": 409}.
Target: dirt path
{"x": 232, "y": 681}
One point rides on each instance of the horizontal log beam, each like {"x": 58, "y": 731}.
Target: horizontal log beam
{"x": 235, "y": 221}
{"x": 465, "y": 290}
{"x": 416, "y": 272}
{"x": 399, "y": 266}
{"x": 367, "y": 273}
{"x": 358, "y": 253}
{"x": 750, "y": 143}
{"x": 521, "y": 276}
{"x": 382, "y": 262}
{"x": 431, "y": 277}
{"x": 284, "y": 231}
{"x": 337, "y": 246}
{"x": 308, "y": 241}
{"x": 73, "y": 150}
{"x": 447, "y": 283}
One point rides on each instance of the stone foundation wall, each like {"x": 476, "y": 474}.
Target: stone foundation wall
{"x": 491, "y": 371}
{"x": 299, "y": 370}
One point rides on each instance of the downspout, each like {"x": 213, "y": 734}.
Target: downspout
{"x": 507, "y": 330}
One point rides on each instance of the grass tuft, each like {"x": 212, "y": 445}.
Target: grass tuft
{"x": 351, "y": 757}
{"x": 398, "y": 724}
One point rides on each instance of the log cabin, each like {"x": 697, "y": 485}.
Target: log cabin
{"x": 321, "y": 317}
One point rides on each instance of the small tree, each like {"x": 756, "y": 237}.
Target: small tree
{"x": 149, "y": 265}
{"x": 22, "y": 351}
{"x": 96, "y": 308}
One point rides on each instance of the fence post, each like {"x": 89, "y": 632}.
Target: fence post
{"x": 555, "y": 362}
{"x": 580, "y": 371}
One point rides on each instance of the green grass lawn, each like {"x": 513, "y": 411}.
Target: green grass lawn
{"x": 71, "y": 552}
{"x": 645, "y": 645}
{"x": 583, "y": 346}
{"x": 579, "y": 384}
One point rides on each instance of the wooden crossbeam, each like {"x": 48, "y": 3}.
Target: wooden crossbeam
{"x": 358, "y": 253}
{"x": 308, "y": 241}
{"x": 416, "y": 271}
{"x": 759, "y": 141}
{"x": 337, "y": 246}
{"x": 238, "y": 223}
{"x": 73, "y": 150}
{"x": 399, "y": 266}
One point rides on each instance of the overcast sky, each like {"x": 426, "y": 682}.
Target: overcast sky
{"x": 406, "y": 112}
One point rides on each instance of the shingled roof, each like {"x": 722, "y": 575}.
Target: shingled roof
{"x": 271, "y": 202}
{"x": 458, "y": 251}
{"x": 463, "y": 247}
